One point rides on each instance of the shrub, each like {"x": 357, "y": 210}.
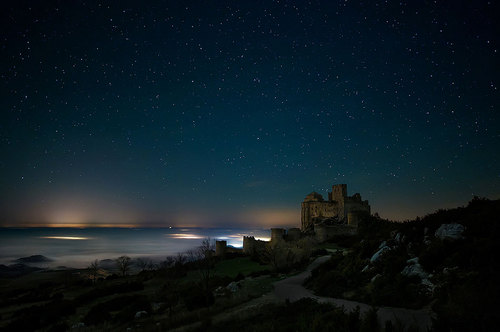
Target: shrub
{"x": 39, "y": 316}
{"x": 398, "y": 291}
{"x": 195, "y": 298}
{"x": 126, "y": 305}
{"x": 105, "y": 290}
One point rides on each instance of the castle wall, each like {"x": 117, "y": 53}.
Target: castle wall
{"x": 311, "y": 210}
{"x": 347, "y": 212}
{"x": 232, "y": 250}
{"x": 353, "y": 219}
{"x": 293, "y": 234}
{"x": 324, "y": 233}
{"x": 339, "y": 192}
{"x": 251, "y": 246}
{"x": 220, "y": 248}
{"x": 277, "y": 234}
{"x": 338, "y": 205}
{"x": 355, "y": 204}
{"x": 248, "y": 245}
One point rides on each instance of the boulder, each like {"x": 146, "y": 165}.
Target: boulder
{"x": 398, "y": 238}
{"x": 233, "y": 287}
{"x": 140, "y": 314}
{"x": 450, "y": 231}
{"x": 449, "y": 270}
{"x": 415, "y": 269}
{"x": 221, "y": 291}
{"x": 156, "y": 306}
{"x": 383, "y": 249}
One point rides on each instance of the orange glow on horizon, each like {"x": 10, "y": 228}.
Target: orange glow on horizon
{"x": 71, "y": 225}
{"x": 66, "y": 237}
{"x": 185, "y": 236}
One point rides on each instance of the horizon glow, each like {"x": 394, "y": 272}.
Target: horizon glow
{"x": 229, "y": 114}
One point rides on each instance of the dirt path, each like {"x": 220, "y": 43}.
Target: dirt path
{"x": 291, "y": 289}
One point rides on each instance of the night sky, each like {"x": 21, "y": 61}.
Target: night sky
{"x": 217, "y": 113}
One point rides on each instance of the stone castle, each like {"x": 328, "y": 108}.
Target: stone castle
{"x": 340, "y": 213}
{"x": 321, "y": 219}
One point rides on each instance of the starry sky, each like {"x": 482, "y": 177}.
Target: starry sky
{"x": 215, "y": 113}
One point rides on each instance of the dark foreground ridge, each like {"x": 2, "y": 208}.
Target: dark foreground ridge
{"x": 441, "y": 266}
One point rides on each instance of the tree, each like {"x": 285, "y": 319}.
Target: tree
{"x": 93, "y": 270}
{"x": 272, "y": 255}
{"x": 180, "y": 259}
{"x": 168, "y": 262}
{"x": 171, "y": 294}
{"x": 123, "y": 263}
{"x": 144, "y": 264}
{"x": 204, "y": 260}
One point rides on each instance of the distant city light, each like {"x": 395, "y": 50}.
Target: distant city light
{"x": 185, "y": 236}
{"x": 66, "y": 237}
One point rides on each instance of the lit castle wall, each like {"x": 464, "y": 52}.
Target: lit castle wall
{"x": 321, "y": 219}
{"x": 340, "y": 209}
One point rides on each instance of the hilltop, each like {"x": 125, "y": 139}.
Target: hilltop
{"x": 444, "y": 263}
{"x": 445, "y": 260}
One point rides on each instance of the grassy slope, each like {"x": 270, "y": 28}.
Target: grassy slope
{"x": 232, "y": 267}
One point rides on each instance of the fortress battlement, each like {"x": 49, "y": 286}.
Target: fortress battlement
{"x": 339, "y": 209}
{"x": 339, "y": 215}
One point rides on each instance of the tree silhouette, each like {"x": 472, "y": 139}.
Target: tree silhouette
{"x": 93, "y": 270}
{"x": 271, "y": 255}
{"x": 204, "y": 260}
{"x": 123, "y": 263}
{"x": 144, "y": 264}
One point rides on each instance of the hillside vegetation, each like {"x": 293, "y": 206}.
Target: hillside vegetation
{"x": 452, "y": 268}
{"x": 445, "y": 261}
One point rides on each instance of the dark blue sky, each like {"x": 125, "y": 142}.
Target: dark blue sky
{"x": 208, "y": 113}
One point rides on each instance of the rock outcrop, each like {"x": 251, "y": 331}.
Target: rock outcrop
{"x": 450, "y": 231}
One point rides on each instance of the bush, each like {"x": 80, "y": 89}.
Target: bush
{"x": 370, "y": 321}
{"x": 467, "y": 301}
{"x": 398, "y": 291}
{"x": 195, "y": 298}
{"x": 303, "y": 315}
{"x": 96, "y": 315}
{"x": 255, "y": 274}
{"x": 40, "y": 316}
{"x": 239, "y": 277}
{"x": 126, "y": 305}
{"x": 338, "y": 275}
{"x": 106, "y": 290}
{"x": 319, "y": 252}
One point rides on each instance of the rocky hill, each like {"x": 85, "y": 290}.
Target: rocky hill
{"x": 446, "y": 260}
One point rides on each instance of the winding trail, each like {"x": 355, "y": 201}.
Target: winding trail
{"x": 292, "y": 289}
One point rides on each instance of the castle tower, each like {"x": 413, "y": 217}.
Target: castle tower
{"x": 249, "y": 245}
{"x": 277, "y": 234}
{"x": 339, "y": 192}
{"x": 220, "y": 248}
{"x": 315, "y": 209}
{"x": 293, "y": 234}
{"x": 353, "y": 218}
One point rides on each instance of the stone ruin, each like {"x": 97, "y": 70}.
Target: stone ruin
{"x": 339, "y": 215}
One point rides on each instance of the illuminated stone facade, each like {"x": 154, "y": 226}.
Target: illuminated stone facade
{"x": 338, "y": 210}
